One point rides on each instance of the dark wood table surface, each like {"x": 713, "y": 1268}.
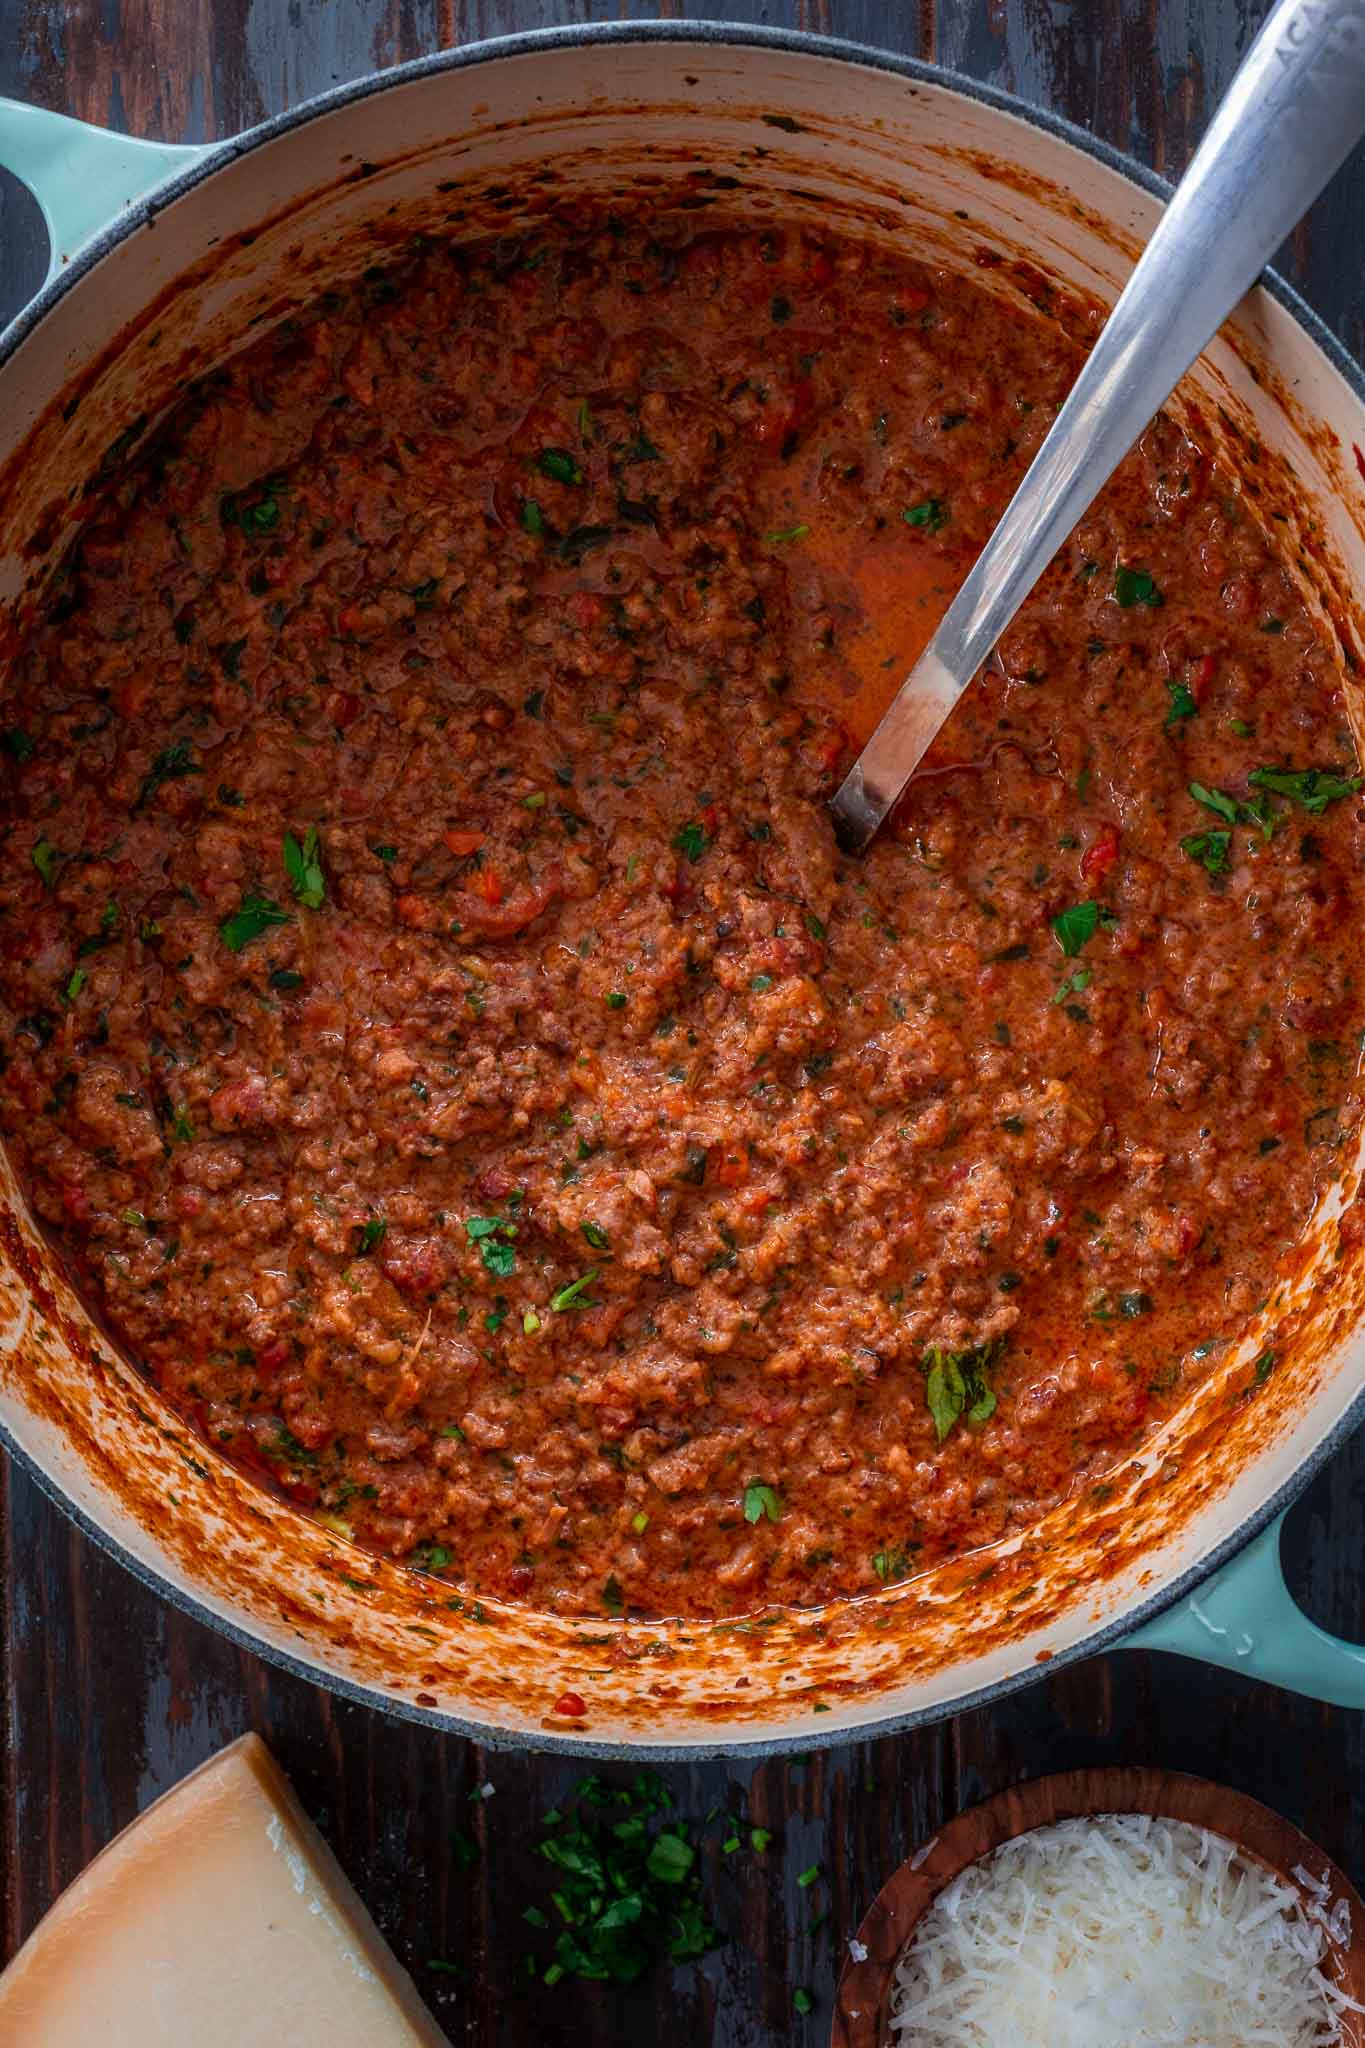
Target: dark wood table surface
{"x": 109, "y": 1697}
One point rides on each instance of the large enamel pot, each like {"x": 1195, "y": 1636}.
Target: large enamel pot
{"x": 163, "y": 260}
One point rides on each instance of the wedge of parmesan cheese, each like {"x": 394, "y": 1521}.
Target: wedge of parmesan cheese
{"x": 1122, "y": 1932}
{"x": 219, "y": 1919}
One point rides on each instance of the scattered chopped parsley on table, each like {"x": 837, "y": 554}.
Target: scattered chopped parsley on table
{"x": 627, "y": 1884}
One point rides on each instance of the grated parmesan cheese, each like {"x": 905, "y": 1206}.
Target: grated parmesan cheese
{"x": 1122, "y": 1932}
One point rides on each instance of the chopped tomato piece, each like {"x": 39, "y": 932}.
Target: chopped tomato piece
{"x": 1100, "y": 857}
{"x": 731, "y": 1170}
{"x": 465, "y": 842}
{"x": 1200, "y": 675}
{"x": 572, "y": 1705}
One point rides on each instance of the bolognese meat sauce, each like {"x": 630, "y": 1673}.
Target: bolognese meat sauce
{"x": 439, "y": 1025}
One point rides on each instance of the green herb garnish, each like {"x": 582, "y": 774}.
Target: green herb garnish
{"x": 956, "y": 1384}
{"x": 1135, "y": 586}
{"x": 559, "y": 465}
{"x": 1313, "y": 788}
{"x": 760, "y": 1500}
{"x": 627, "y": 1882}
{"x": 372, "y": 1234}
{"x": 170, "y": 766}
{"x": 1182, "y": 704}
{"x": 1210, "y": 849}
{"x": 491, "y": 1233}
{"x": 1216, "y": 800}
{"x": 47, "y": 860}
{"x": 572, "y": 1295}
{"x": 1073, "y": 985}
{"x": 932, "y": 515}
{"x": 256, "y": 915}
{"x": 259, "y": 519}
{"x": 691, "y": 841}
{"x": 303, "y": 865}
{"x": 1072, "y": 928}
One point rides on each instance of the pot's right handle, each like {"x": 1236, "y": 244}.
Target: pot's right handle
{"x": 82, "y": 177}
{"x": 1245, "y": 1619}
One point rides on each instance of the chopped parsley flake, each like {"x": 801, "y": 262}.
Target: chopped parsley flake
{"x": 572, "y": 1295}
{"x": 1135, "y": 586}
{"x": 256, "y": 915}
{"x": 171, "y": 765}
{"x": 1313, "y": 788}
{"x": 1211, "y": 849}
{"x": 626, "y": 1878}
{"x": 691, "y": 841}
{"x": 1182, "y": 705}
{"x": 559, "y": 466}
{"x": 761, "y": 1500}
{"x": 1072, "y": 928}
{"x": 1215, "y": 800}
{"x": 303, "y": 865}
{"x": 372, "y": 1234}
{"x": 1073, "y": 985}
{"x": 931, "y": 514}
{"x": 956, "y": 1384}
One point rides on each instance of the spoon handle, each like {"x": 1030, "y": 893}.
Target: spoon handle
{"x": 1293, "y": 113}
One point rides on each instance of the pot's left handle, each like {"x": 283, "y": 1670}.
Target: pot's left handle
{"x": 1246, "y": 1619}
{"x": 82, "y": 177}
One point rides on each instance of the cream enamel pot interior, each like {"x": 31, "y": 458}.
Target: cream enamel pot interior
{"x": 162, "y": 259}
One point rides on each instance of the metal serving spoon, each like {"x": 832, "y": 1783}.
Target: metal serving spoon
{"x": 1291, "y": 117}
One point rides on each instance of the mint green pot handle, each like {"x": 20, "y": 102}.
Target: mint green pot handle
{"x": 82, "y": 177}
{"x": 1245, "y": 1619}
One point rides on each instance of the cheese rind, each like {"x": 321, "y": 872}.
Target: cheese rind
{"x": 220, "y": 1918}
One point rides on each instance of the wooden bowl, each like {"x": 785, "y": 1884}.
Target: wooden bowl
{"x": 862, "y": 2016}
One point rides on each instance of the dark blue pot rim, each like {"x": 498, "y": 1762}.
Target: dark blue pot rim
{"x": 1111, "y": 1634}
